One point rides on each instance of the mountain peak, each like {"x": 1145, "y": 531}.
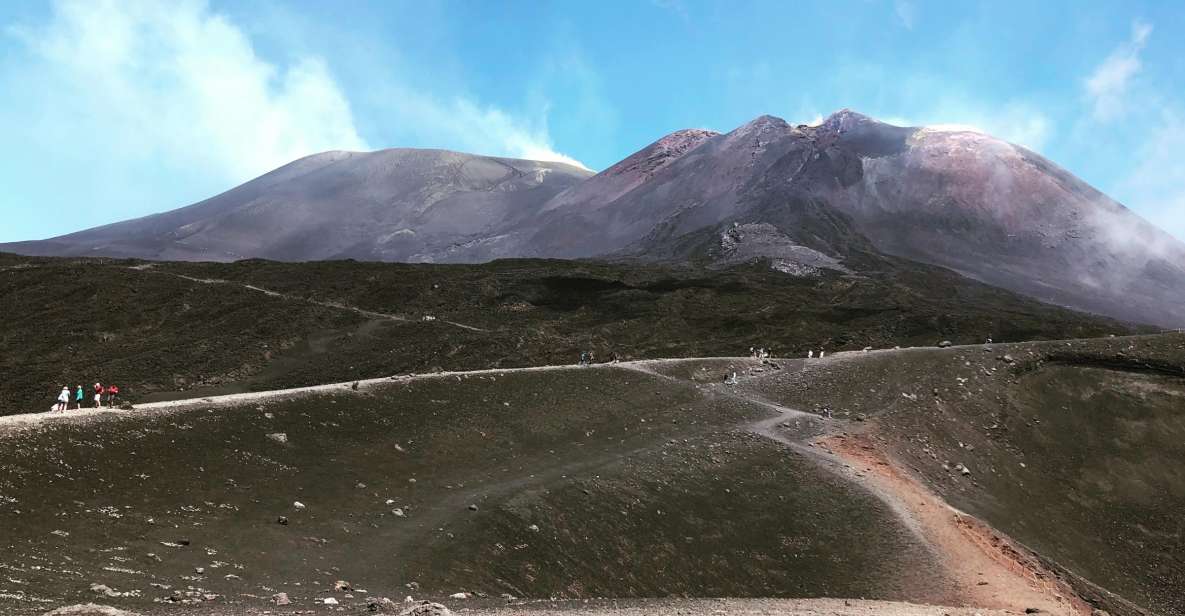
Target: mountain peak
{"x": 845, "y": 119}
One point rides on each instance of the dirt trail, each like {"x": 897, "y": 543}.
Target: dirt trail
{"x": 270, "y": 293}
{"x": 992, "y": 571}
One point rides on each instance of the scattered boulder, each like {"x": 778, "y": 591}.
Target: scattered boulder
{"x": 279, "y": 437}
{"x": 328, "y": 601}
{"x": 342, "y": 585}
{"x": 472, "y": 507}
{"x": 459, "y": 595}
{"x": 281, "y": 598}
{"x": 945, "y": 344}
{"x": 299, "y": 506}
{"x": 282, "y": 520}
{"x": 103, "y": 589}
{"x": 427, "y": 609}
{"x": 381, "y": 604}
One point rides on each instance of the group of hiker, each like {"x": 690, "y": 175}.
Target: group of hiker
{"x": 101, "y": 395}
{"x": 761, "y": 353}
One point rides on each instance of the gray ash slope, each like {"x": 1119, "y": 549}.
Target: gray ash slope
{"x": 390, "y": 205}
{"x": 842, "y": 195}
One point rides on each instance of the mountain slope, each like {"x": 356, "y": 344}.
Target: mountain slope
{"x": 841, "y": 196}
{"x": 390, "y": 205}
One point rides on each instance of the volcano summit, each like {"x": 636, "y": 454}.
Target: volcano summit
{"x": 839, "y": 195}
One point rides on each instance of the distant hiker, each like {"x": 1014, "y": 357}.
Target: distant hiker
{"x": 78, "y": 397}
{"x": 752, "y": 353}
{"x": 98, "y": 395}
{"x": 820, "y": 353}
{"x": 810, "y": 354}
{"x": 63, "y": 398}
{"x": 584, "y": 358}
{"x": 112, "y": 392}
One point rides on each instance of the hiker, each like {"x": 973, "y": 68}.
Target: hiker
{"x": 584, "y": 358}
{"x": 63, "y": 398}
{"x": 78, "y": 397}
{"x": 810, "y": 354}
{"x": 112, "y": 392}
{"x": 820, "y": 353}
{"x": 98, "y": 395}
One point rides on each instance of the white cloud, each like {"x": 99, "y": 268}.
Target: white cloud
{"x": 906, "y": 12}
{"x": 147, "y": 105}
{"x": 1014, "y": 122}
{"x": 1107, "y": 86}
{"x": 468, "y": 126}
{"x": 176, "y": 80}
{"x": 1156, "y": 185}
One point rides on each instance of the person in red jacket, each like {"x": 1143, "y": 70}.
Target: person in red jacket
{"x": 98, "y": 395}
{"x": 112, "y": 392}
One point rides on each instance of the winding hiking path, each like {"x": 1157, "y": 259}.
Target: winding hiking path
{"x": 990, "y": 570}
{"x": 151, "y": 269}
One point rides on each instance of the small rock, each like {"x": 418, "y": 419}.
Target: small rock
{"x": 459, "y": 595}
{"x": 329, "y": 601}
{"x": 533, "y": 528}
{"x": 281, "y": 598}
{"x": 360, "y": 485}
{"x": 299, "y": 506}
{"x": 342, "y": 585}
{"x": 427, "y": 609}
{"x": 282, "y": 520}
{"x": 103, "y": 589}
{"x": 944, "y": 344}
{"x": 279, "y": 437}
{"x": 1031, "y": 610}
{"x": 199, "y": 570}
{"x": 354, "y": 386}
{"x": 398, "y": 513}
{"x": 472, "y": 507}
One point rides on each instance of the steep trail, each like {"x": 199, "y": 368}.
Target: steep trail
{"x": 991, "y": 571}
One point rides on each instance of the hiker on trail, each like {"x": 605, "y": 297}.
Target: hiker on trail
{"x": 820, "y": 353}
{"x": 63, "y": 398}
{"x": 98, "y": 395}
{"x": 112, "y": 392}
{"x": 584, "y": 358}
{"x": 810, "y": 354}
{"x": 78, "y": 396}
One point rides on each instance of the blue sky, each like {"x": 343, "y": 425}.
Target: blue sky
{"x": 113, "y": 109}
